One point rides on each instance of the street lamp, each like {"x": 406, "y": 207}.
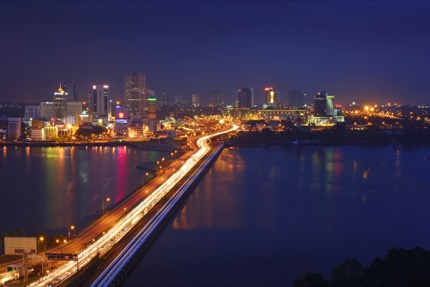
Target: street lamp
{"x": 107, "y": 200}
{"x": 41, "y": 239}
{"x": 71, "y": 228}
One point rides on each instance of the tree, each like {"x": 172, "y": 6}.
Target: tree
{"x": 310, "y": 279}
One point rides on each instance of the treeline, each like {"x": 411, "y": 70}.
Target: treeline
{"x": 334, "y": 136}
{"x": 399, "y": 268}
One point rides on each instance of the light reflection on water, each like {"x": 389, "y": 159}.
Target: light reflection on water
{"x": 49, "y": 189}
{"x": 279, "y": 212}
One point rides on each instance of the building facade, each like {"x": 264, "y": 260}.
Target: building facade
{"x": 271, "y": 98}
{"x": 98, "y": 101}
{"x": 70, "y": 88}
{"x": 60, "y": 103}
{"x": 296, "y": 98}
{"x": 245, "y": 98}
{"x": 135, "y": 94}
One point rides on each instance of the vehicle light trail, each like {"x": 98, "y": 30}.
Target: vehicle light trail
{"x": 116, "y": 232}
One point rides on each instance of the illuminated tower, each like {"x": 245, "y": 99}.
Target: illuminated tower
{"x": 99, "y": 101}
{"x": 151, "y": 103}
{"x": 272, "y": 97}
{"x": 324, "y": 105}
{"x": 60, "y": 103}
{"x": 245, "y": 98}
{"x": 134, "y": 94}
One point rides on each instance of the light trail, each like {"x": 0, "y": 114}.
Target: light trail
{"x": 117, "y": 232}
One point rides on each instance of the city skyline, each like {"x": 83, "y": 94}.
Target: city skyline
{"x": 358, "y": 51}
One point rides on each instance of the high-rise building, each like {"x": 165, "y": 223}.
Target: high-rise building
{"x": 98, "y": 101}
{"x": 14, "y": 128}
{"x": 324, "y": 105}
{"x": 245, "y": 98}
{"x": 151, "y": 103}
{"x": 60, "y": 103}
{"x": 195, "y": 99}
{"x": 216, "y": 98}
{"x": 135, "y": 94}
{"x": 70, "y": 88}
{"x": 31, "y": 112}
{"x": 272, "y": 97}
{"x": 296, "y": 98}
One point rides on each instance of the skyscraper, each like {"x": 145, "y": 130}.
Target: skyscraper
{"x": 245, "y": 98}
{"x": 324, "y": 104}
{"x": 296, "y": 98}
{"x": 216, "y": 98}
{"x": 134, "y": 94}
{"x": 98, "y": 101}
{"x": 60, "y": 103}
{"x": 272, "y": 97}
{"x": 70, "y": 88}
{"x": 195, "y": 99}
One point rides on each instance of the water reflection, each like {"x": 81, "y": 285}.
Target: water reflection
{"x": 216, "y": 209}
{"x": 54, "y": 187}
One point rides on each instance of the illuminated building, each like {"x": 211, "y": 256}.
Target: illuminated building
{"x": 134, "y": 94}
{"x": 60, "y": 103}
{"x": 151, "y": 103}
{"x": 272, "y": 98}
{"x": 245, "y": 98}
{"x": 98, "y": 102}
{"x": 325, "y": 111}
{"x": 121, "y": 124}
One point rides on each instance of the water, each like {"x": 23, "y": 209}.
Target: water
{"x": 49, "y": 189}
{"x": 259, "y": 217}
{"x": 265, "y": 216}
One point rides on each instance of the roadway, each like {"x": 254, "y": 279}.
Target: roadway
{"x": 98, "y": 238}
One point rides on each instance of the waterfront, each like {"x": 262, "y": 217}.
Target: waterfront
{"x": 264, "y": 216}
{"x": 48, "y": 189}
{"x": 260, "y": 216}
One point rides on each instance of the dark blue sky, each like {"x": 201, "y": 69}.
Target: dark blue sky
{"x": 359, "y": 51}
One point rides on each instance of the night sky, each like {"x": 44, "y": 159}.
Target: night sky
{"x": 359, "y": 51}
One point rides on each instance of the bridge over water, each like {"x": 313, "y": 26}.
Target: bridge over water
{"x": 113, "y": 249}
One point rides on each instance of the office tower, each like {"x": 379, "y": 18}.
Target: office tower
{"x": 195, "y": 100}
{"x": 74, "y": 108}
{"x": 14, "y": 128}
{"x": 216, "y": 98}
{"x": 244, "y": 98}
{"x": 60, "y": 103}
{"x": 272, "y": 97}
{"x": 324, "y": 105}
{"x": 134, "y": 94}
{"x": 296, "y": 98}
{"x": 46, "y": 110}
{"x": 98, "y": 101}
{"x": 32, "y": 112}
{"x": 151, "y": 103}
{"x": 163, "y": 99}
{"x": 70, "y": 88}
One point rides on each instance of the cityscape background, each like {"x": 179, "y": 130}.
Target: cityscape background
{"x": 369, "y": 51}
